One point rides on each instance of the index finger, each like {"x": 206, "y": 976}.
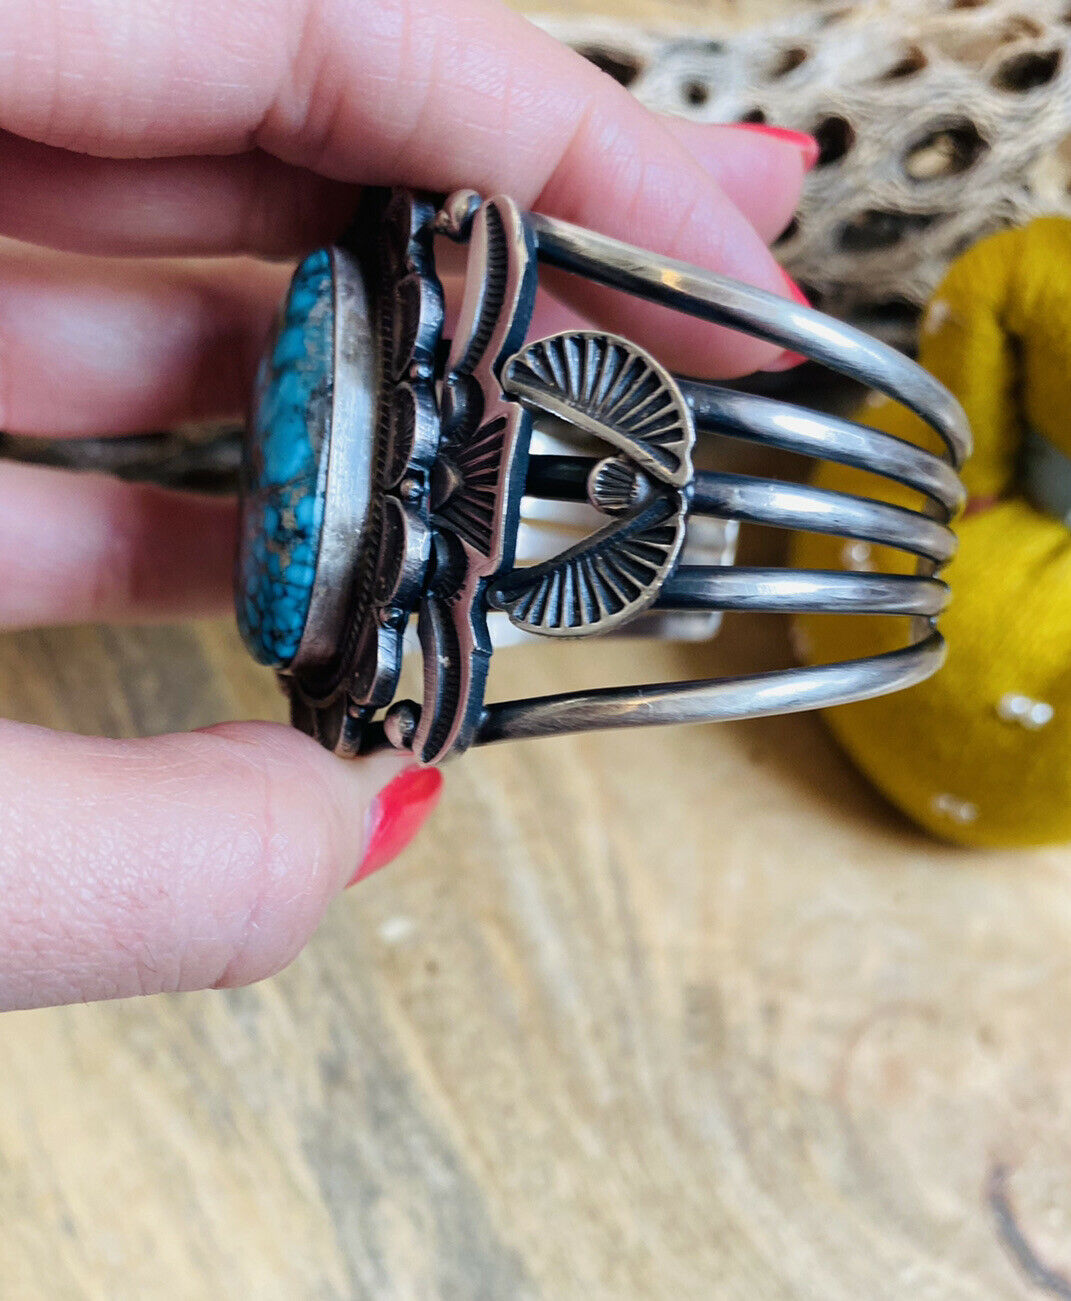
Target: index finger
{"x": 431, "y": 93}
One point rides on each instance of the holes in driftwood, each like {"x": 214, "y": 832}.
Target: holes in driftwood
{"x": 1027, "y": 71}
{"x": 814, "y": 296}
{"x": 913, "y": 60}
{"x": 947, "y": 151}
{"x": 961, "y": 245}
{"x": 788, "y": 61}
{"x": 619, "y": 64}
{"x": 877, "y": 229}
{"x": 892, "y": 316}
{"x": 695, "y": 92}
{"x": 789, "y": 233}
{"x": 835, "y": 136}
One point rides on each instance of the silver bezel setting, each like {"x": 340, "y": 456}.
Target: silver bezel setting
{"x": 350, "y": 464}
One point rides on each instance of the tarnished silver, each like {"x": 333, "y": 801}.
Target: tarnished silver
{"x": 430, "y": 460}
{"x": 349, "y": 482}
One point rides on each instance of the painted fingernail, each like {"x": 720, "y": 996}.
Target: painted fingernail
{"x": 807, "y": 145}
{"x": 795, "y": 292}
{"x": 397, "y": 814}
{"x": 788, "y": 360}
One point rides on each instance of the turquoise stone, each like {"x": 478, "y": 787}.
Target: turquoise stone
{"x": 285, "y": 469}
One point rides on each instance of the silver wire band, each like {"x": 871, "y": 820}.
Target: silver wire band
{"x": 776, "y": 504}
{"x": 818, "y": 510}
{"x": 786, "y": 691}
{"x": 718, "y": 299}
{"x": 810, "y": 433}
{"x": 800, "y": 591}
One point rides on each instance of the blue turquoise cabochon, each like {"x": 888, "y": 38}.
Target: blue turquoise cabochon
{"x": 285, "y": 469}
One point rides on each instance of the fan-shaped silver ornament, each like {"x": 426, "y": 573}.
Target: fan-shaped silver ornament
{"x": 613, "y": 390}
{"x": 601, "y": 583}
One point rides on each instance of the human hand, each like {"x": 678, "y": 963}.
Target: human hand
{"x": 207, "y": 139}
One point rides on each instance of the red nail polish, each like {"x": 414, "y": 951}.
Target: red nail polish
{"x": 795, "y": 292}
{"x": 786, "y": 361}
{"x": 807, "y": 145}
{"x": 397, "y": 814}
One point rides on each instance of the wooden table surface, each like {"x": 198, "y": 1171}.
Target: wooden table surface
{"x": 683, "y": 1014}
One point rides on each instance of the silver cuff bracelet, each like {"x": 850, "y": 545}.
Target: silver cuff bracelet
{"x": 385, "y": 470}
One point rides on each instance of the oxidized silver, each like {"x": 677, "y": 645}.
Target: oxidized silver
{"x": 430, "y": 460}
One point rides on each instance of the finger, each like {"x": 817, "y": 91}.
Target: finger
{"x": 90, "y": 346}
{"x": 761, "y": 169}
{"x": 424, "y": 92}
{"x": 253, "y": 203}
{"x": 181, "y": 862}
{"x": 157, "y": 207}
{"x": 82, "y": 547}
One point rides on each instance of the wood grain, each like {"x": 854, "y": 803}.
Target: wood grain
{"x": 683, "y": 1014}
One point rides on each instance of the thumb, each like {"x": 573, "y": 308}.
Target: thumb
{"x": 181, "y": 862}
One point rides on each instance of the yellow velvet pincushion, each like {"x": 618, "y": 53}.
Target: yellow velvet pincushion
{"x": 981, "y": 753}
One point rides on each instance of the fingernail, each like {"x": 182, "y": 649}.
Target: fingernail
{"x": 397, "y": 814}
{"x": 807, "y": 145}
{"x": 788, "y": 360}
{"x": 795, "y": 292}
